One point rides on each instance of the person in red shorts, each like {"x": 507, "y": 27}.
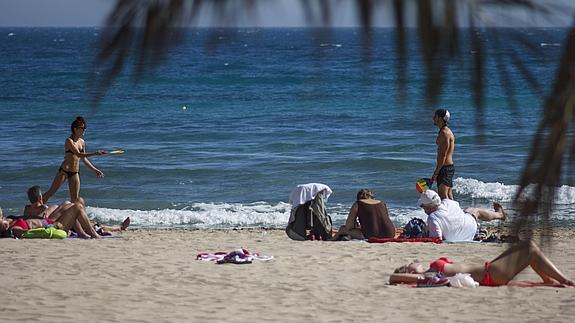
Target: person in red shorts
{"x": 496, "y": 272}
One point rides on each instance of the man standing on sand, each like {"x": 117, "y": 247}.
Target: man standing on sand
{"x": 444, "y": 169}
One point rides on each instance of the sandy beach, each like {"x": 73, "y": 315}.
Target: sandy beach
{"x": 153, "y": 276}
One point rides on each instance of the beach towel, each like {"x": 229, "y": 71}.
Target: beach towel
{"x": 45, "y": 233}
{"x": 383, "y": 240}
{"x": 75, "y": 237}
{"x": 238, "y": 256}
{"x": 512, "y": 284}
{"x": 307, "y": 192}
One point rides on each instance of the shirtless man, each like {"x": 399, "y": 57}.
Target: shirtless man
{"x": 444, "y": 170}
{"x": 37, "y": 209}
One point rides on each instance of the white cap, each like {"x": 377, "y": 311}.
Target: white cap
{"x": 443, "y": 114}
{"x": 447, "y": 116}
{"x": 429, "y": 197}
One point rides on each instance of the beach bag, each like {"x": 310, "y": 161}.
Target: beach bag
{"x": 415, "y": 228}
{"x": 310, "y": 221}
{"x": 45, "y": 233}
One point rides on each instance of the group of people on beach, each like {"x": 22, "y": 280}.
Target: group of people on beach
{"x": 446, "y": 220}
{"x": 71, "y": 215}
{"x": 368, "y": 217}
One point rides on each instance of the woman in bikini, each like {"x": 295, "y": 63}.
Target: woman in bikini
{"x": 75, "y": 150}
{"x": 497, "y": 272}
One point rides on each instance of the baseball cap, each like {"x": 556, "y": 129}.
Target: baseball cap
{"x": 429, "y": 197}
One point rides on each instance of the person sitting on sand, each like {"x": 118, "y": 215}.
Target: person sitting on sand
{"x": 499, "y": 271}
{"x": 38, "y": 210}
{"x": 447, "y": 221}
{"x": 373, "y": 218}
{"x": 65, "y": 217}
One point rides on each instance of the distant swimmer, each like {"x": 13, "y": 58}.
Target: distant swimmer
{"x": 75, "y": 150}
{"x": 444, "y": 170}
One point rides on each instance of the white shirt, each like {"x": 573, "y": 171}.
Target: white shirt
{"x": 450, "y": 223}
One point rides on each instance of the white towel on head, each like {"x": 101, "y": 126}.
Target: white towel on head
{"x": 307, "y": 192}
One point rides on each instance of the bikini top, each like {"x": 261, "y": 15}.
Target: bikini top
{"x": 69, "y": 151}
{"x": 439, "y": 264}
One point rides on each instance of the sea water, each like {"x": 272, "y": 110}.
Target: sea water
{"x": 220, "y": 134}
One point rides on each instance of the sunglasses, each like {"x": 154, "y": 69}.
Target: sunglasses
{"x": 83, "y": 128}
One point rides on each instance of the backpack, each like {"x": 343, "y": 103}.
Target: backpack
{"x": 415, "y": 228}
{"x": 310, "y": 221}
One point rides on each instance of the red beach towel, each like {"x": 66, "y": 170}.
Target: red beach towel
{"x": 382, "y": 240}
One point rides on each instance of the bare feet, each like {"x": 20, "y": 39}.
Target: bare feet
{"x": 125, "y": 224}
{"x": 498, "y": 208}
{"x": 84, "y": 236}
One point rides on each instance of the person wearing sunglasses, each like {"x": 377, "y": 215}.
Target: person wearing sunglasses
{"x": 75, "y": 151}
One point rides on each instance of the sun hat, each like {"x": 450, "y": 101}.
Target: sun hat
{"x": 429, "y": 197}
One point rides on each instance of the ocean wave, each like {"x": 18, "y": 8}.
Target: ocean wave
{"x": 550, "y": 44}
{"x": 228, "y": 215}
{"x": 201, "y": 215}
{"x": 500, "y": 192}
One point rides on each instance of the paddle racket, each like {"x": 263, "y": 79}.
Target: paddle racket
{"x": 116, "y": 152}
{"x": 423, "y": 184}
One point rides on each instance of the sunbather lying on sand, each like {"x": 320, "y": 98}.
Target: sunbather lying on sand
{"x": 38, "y": 210}
{"x": 499, "y": 271}
{"x": 65, "y": 217}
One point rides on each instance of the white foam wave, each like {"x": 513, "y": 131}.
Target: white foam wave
{"x": 401, "y": 216}
{"x": 505, "y": 193}
{"x": 264, "y": 214}
{"x": 201, "y": 215}
{"x": 224, "y": 215}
